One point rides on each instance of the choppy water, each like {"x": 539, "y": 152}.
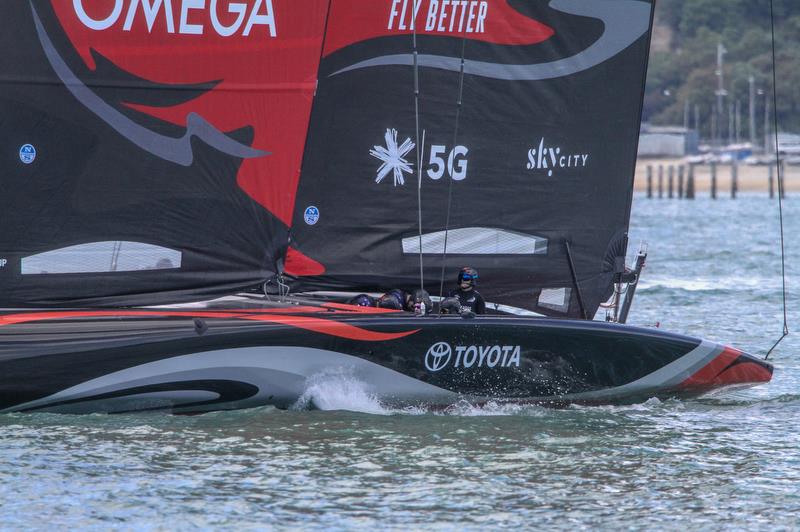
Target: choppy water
{"x": 729, "y": 462}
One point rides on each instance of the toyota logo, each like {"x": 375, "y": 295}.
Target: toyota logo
{"x": 438, "y": 356}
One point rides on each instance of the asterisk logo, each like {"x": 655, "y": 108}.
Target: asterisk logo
{"x": 392, "y": 157}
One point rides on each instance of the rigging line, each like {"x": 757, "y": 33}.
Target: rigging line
{"x": 574, "y": 275}
{"x": 780, "y": 177}
{"x": 450, "y": 183}
{"x": 416, "y": 119}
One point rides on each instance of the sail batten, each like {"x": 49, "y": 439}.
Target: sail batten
{"x": 476, "y": 241}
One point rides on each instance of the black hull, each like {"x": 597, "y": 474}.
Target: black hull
{"x": 188, "y": 361}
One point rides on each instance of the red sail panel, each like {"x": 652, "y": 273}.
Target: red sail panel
{"x": 157, "y": 146}
{"x": 263, "y": 56}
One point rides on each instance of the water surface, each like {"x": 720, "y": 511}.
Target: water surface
{"x": 725, "y": 462}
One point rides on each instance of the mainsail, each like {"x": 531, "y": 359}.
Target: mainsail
{"x": 152, "y": 147}
{"x": 166, "y": 150}
{"x": 539, "y": 163}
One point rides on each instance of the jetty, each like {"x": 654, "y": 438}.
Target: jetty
{"x": 676, "y": 178}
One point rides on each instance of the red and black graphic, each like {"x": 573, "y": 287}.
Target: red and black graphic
{"x": 258, "y": 59}
{"x": 163, "y": 123}
{"x": 239, "y": 135}
{"x": 490, "y": 21}
{"x": 159, "y": 151}
{"x": 729, "y": 368}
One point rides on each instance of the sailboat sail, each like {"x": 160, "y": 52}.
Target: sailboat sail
{"x": 537, "y": 168}
{"x": 162, "y": 150}
{"x": 151, "y": 147}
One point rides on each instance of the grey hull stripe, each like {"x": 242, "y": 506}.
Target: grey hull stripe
{"x": 662, "y": 379}
{"x": 138, "y": 401}
{"x": 280, "y": 373}
{"x": 176, "y": 150}
{"x": 625, "y": 21}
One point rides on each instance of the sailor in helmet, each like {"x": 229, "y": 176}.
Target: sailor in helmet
{"x": 469, "y": 298}
{"x": 393, "y": 300}
{"x": 362, "y": 300}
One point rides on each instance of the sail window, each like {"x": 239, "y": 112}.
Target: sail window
{"x": 555, "y": 298}
{"x": 102, "y": 257}
{"x": 477, "y": 241}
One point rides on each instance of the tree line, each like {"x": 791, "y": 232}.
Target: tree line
{"x": 682, "y": 80}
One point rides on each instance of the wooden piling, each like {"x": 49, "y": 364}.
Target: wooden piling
{"x": 713, "y": 180}
{"x": 660, "y": 181}
{"x": 734, "y": 179}
{"x": 782, "y": 180}
{"x": 649, "y": 180}
{"x": 670, "y": 180}
{"x": 690, "y": 183}
{"x": 771, "y": 181}
{"x": 680, "y": 181}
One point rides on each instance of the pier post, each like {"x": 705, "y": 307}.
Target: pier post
{"x": 660, "y": 181}
{"x": 670, "y": 180}
{"x": 713, "y": 180}
{"x": 650, "y": 181}
{"x": 782, "y": 179}
{"x": 690, "y": 183}
{"x": 734, "y": 179}
{"x": 771, "y": 181}
{"x": 680, "y": 181}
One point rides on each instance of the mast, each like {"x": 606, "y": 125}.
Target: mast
{"x": 720, "y": 92}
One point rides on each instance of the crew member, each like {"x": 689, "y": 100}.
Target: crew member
{"x": 420, "y": 302}
{"x": 394, "y": 300}
{"x": 469, "y": 298}
{"x": 362, "y": 300}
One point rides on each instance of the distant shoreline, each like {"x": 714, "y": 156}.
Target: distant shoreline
{"x": 750, "y": 178}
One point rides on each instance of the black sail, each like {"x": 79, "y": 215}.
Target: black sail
{"x": 536, "y": 166}
{"x": 147, "y": 158}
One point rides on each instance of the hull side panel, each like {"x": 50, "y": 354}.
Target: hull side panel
{"x": 172, "y": 362}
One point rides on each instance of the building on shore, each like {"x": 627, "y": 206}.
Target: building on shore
{"x": 667, "y": 141}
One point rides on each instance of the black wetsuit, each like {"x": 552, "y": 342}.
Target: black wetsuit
{"x": 470, "y": 299}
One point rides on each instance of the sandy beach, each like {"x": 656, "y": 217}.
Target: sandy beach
{"x": 750, "y": 178}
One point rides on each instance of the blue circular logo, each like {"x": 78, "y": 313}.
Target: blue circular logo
{"x": 27, "y": 153}
{"x": 311, "y": 215}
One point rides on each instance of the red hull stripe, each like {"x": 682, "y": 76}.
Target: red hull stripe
{"x": 729, "y": 367}
{"x": 331, "y": 327}
{"x": 359, "y": 309}
{"x": 319, "y": 325}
